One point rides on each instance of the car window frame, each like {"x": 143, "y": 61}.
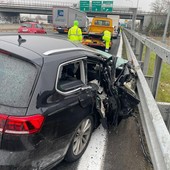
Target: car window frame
{"x": 27, "y": 25}
{"x": 39, "y": 26}
{"x": 36, "y": 26}
{"x": 82, "y": 75}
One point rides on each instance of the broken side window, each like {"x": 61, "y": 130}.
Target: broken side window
{"x": 71, "y": 76}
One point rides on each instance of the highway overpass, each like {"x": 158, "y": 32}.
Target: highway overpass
{"x": 14, "y": 9}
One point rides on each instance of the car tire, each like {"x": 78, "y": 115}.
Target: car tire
{"x": 80, "y": 140}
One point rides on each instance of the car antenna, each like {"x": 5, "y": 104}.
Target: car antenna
{"x": 20, "y": 40}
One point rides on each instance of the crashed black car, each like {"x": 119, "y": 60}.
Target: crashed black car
{"x": 53, "y": 93}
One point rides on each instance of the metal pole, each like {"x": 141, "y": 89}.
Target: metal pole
{"x": 134, "y": 18}
{"x": 137, "y": 4}
{"x": 166, "y": 26}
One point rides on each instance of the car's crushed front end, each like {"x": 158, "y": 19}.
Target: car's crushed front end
{"x": 115, "y": 94}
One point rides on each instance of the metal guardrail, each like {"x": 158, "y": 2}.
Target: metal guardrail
{"x": 156, "y": 132}
{"x": 161, "y": 50}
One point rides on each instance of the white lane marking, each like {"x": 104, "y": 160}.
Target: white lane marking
{"x": 93, "y": 157}
{"x": 119, "y": 53}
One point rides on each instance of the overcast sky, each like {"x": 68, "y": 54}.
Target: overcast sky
{"x": 144, "y": 5}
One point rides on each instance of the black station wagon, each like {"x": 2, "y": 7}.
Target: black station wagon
{"x": 53, "y": 94}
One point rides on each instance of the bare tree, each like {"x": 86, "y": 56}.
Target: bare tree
{"x": 160, "y": 6}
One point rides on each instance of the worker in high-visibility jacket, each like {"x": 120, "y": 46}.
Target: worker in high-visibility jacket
{"x": 75, "y": 33}
{"x": 107, "y": 38}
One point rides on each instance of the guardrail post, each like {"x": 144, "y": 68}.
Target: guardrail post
{"x": 156, "y": 76}
{"x": 139, "y": 50}
{"x": 146, "y": 61}
{"x": 149, "y": 80}
{"x": 129, "y": 36}
{"x": 133, "y": 43}
{"x": 168, "y": 123}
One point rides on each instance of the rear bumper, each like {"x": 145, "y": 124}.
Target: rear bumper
{"x": 13, "y": 159}
{"x": 94, "y": 43}
{"x": 32, "y": 152}
{"x": 62, "y": 30}
{"x": 23, "y": 161}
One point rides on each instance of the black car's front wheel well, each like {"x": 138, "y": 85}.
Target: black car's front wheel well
{"x": 96, "y": 118}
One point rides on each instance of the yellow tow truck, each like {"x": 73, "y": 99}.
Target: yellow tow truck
{"x": 93, "y": 37}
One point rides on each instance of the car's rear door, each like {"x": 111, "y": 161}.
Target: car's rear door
{"x": 76, "y": 95}
{"x": 39, "y": 28}
{"x": 65, "y": 106}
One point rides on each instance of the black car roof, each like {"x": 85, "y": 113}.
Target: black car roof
{"x": 38, "y": 43}
{"x": 35, "y": 47}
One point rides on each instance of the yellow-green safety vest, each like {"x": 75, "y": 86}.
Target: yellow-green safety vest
{"x": 75, "y": 34}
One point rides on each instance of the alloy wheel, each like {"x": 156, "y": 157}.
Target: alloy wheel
{"x": 82, "y": 136}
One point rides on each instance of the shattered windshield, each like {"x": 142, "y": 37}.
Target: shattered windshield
{"x": 120, "y": 61}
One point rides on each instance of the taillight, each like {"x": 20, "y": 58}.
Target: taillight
{"x": 3, "y": 119}
{"x": 21, "y": 125}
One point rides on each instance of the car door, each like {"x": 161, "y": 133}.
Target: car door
{"x": 71, "y": 84}
{"x": 39, "y": 29}
{"x": 70, "y": 104}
